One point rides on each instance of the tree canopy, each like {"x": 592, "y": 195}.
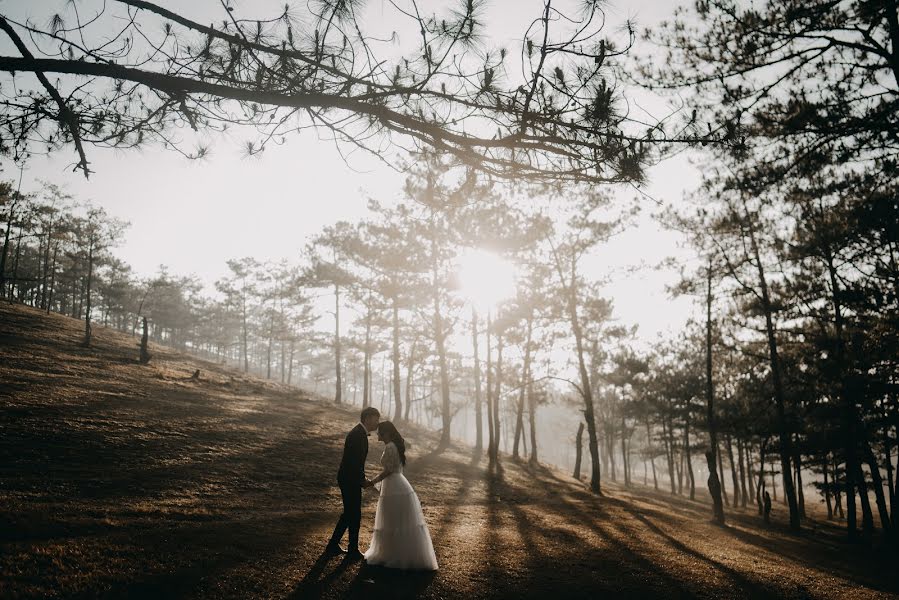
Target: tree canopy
{"x": 130, "y": 72}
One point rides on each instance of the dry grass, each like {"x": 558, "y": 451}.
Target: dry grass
{"x": 126, "y": 480}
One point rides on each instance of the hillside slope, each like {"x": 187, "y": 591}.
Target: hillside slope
{"x": 126, "y": 480}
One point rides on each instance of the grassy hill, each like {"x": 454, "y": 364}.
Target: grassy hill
{"x": 126, "y": 480}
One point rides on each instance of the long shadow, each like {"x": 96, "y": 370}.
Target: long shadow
{"x": 800, "y": 549}
{"x": 450, "y": 513}
{"x": 744, "y": 583}
{"x": 824, "y": 550}
{"x": 313, "y": 585}
{"x": 699, "y": 507}
{"x": 438, "y": 453}
{"x": 560, "y": 562}
{"x": 494, "y": 552}
{"x": 577, "y": 517}
{"x": 380, "y": 582}
{"x": 185, "y": 569}
{"x": 879, "y": 567}
{"x": 631, "y": 575}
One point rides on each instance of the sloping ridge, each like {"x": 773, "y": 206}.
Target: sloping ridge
{"x": 125, "y": 480}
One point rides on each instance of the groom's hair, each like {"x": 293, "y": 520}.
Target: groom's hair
{"x": 370, "y": 411}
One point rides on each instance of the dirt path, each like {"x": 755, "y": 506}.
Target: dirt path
{"x": 123, "y": 480}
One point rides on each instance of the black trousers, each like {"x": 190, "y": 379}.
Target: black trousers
{"x": 351, "y": 494}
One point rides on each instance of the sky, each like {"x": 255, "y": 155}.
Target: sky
{"x": 192, "y": 216}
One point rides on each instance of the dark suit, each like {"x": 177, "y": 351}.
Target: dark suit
{"x": 350, "y": 477}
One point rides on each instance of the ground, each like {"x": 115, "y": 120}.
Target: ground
{"x": 125, "y": 480}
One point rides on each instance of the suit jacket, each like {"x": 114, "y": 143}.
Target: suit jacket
{"x": 355, "y": 449}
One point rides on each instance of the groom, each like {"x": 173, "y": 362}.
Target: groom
{"x": 351, "y": 479}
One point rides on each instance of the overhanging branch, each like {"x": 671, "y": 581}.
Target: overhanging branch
{"x": 66, "y": 116}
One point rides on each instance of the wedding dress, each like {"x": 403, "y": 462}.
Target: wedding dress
{"x": 400, "y": 539}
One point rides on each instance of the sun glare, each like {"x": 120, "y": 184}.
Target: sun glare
{"x": 485, "y": 278}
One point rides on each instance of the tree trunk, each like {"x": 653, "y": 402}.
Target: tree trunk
{"x": 853, "y": 429}
{"x": 896, "y": 491}
{"x": 52, "y": 277}
{"x": 888, "y": 455}
{"x": 786, "y": 437}
{"x": 524, "y": 439}
{"x": 283, "y": 346}
{"x": 585, "y": 387}
{"x": 497, "y": 395}
{"x": 45, "y": 259}
{"x": 628, "y": 465}
{"x": 366, "y": 361}
{"x": 525, "y": 383}
{"x": 385, "y": 401}
{"x": 744, "y": 499}
{"x": 877, "y": 483}
{"x": 410, "y": 372}
{"x": 652, "y": 458}
{"x": 290, "y": 361}
{"x": 532, "y": 421}
{"x": 519, "y": 421}
{"x": 827, "y": 491}
{"x": 246, "y": 357}
{"x": 440, "y": 341}
{"x": 610, "y": 452}
{"x": 669, "y": 452}
{"x": 838, "y": 497}
{"x": 749, "y": 471}
{"x": 713, "y": 483}
{"x": 90, "y": 277}
{"x": 867, "y": 515}
{"x": 689, "y": 459}
{"x": 478, "y": 409}
{"x": 578, "y": 444}
{"x": 144, "y": 349}
{"x": 268, "y": 350}
{"x": 624, "y": 464}
{"x": 338, "y": 388}
{"x": 733, "y": 471}
{"x": 774, "y": 485}
{"x": 721, "y": 477}
{"x": 398, "y": 401}
{"x": 490, "y": 428}
{"x": 760, "y": 485}
{"x": 6, "y": 236}
{"x": 800, "y": 494}
{"x": 15, "y": 267}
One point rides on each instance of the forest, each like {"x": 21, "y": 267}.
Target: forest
{"x": 471, "y": 307}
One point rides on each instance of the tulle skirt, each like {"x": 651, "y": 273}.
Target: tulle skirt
{"x": 400, "y": 539}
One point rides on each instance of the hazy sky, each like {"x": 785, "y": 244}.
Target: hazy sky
{"x": 193, "y": 216}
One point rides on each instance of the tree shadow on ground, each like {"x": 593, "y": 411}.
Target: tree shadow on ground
{"x": 826, "y": 554}
{"x": 823, "y": 550}
{"x": 555, "y": 548}
{"x": 629, "y": 548}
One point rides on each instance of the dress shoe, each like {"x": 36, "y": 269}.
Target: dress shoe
{"x": 354, "y": 555}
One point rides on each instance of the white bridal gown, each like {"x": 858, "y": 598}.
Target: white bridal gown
{"x": 400, "y": 539}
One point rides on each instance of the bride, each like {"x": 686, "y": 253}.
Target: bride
{"x": 400, "y": 539}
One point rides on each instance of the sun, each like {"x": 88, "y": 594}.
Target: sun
{"x": 485, "y": 278}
